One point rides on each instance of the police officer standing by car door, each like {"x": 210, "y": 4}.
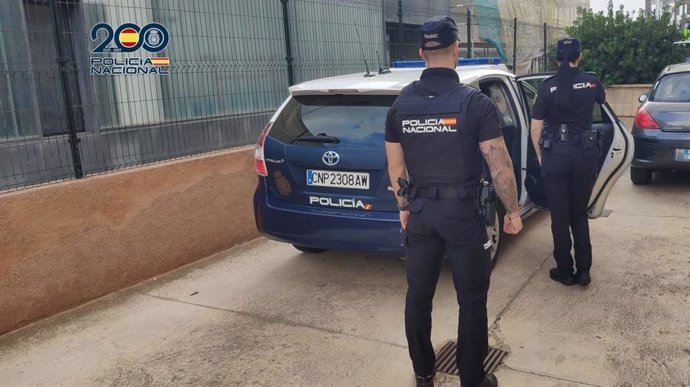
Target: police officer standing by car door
{"x": 569, "y": 157}
{"x": 434, "y": 133}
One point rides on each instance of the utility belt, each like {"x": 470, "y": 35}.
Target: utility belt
{"x": 409, "y": 190}
{"x": 452, "y": 192}
{"x": 589, "y": 139}
{"x": 483, "y": 194}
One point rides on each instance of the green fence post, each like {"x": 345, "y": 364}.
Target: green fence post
{"x": 62, "y": 61}
{"x": 288, "y": 49}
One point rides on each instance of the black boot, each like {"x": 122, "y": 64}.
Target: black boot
{"x": 489, "y": 381}
{"x": 425, "y": 381}
{"x": 583, "y": 278}
{"x": 565, "y": 279}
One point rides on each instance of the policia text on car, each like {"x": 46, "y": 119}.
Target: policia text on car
{"x": 568, "y": 151}
{"x": 436, "y": 134}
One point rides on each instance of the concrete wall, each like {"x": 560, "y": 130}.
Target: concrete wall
{"x": 623, "y": 100}
{"x": 64, "y": 244}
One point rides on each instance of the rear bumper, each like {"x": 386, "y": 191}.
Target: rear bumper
{"x": 328, "y": 229}
{"x": 659, "y": 153}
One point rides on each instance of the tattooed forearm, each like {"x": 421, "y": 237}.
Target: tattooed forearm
{"x": 501, "y": 167}
{"x": 504, "y": 183}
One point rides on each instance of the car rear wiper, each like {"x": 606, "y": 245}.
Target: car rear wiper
{"x": 319, "y": 139}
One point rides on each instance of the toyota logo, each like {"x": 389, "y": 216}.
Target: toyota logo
{"x": 330, "y": 158}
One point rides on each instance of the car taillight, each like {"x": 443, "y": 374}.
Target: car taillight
{"x": 644, "y": 120}
{"x": 259, "y": 152}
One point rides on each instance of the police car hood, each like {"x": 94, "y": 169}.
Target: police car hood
{"x": 390, "y": 83}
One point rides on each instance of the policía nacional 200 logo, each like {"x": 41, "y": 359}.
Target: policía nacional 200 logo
{"x": 127, "y": 38}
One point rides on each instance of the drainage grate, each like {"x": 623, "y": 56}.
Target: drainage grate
{"x": 445, "y": 359}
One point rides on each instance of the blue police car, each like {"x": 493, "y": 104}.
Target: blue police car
{"x": 323, "y": 182}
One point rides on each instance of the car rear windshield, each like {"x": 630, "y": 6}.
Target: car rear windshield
{"x": 673, "y": 88}
{"x": 347, "y": 119}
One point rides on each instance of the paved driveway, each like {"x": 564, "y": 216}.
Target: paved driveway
{"x": 264, "y": 314}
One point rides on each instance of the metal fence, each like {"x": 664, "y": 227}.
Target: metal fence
{"x": 90, "y": 86}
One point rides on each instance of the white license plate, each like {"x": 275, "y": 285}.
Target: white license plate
{"x": 682, "y": 154}
{"x": 356, "y": 180}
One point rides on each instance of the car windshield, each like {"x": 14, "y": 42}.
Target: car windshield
{"x": 351, "y": 119}
{"x": 672, "y": 88}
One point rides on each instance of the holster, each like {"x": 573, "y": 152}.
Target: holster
{"x": 563, "y": 133}
{"x": 485, "y": 198}
{"x": 590, "y": 139}
{"x": 406, "y": 189}
{"x": 545, "y": 139}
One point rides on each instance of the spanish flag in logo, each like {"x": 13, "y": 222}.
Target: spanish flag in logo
{"x": 450, "y": 121}
{"x": 129, "y": 37}
{"x": 160, "y": 61}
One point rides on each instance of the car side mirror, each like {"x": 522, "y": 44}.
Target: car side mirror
{"x": 643, "y": 97}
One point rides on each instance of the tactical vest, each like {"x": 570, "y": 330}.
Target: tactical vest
{"x": 438, "y": 149}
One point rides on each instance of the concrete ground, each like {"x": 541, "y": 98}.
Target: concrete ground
{"x": 265, "y": 314}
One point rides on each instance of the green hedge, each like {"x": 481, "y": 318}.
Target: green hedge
{"x": 626, "y": 50}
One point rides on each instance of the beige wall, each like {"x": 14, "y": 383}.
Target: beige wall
{"x": 67, "y": 243}
{"x": 624, "y": 100}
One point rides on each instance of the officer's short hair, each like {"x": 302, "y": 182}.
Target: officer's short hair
{"x": 438, "y": 33}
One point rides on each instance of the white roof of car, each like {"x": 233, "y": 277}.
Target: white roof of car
{"x": 390, "y": 83}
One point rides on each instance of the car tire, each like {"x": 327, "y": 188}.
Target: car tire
{"x": 640, "y": 176}
{"x": 495, "y": 232}
{"x": 310, "y": 250}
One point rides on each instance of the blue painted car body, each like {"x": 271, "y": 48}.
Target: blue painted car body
{"x": 289, "y": 208}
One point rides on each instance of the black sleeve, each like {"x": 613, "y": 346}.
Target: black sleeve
{"x": 485, "y": 118}
{"x": 542, "y": 103}
{"x": 391, "y": 126}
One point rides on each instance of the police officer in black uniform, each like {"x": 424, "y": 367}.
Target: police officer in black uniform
{"x": 436, "y": 134}
{"x": 568, "y": 155}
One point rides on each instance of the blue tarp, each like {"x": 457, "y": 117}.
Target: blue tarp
{"x": 490, "y": 24}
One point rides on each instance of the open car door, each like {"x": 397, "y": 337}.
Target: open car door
{"x": 617, "y": 150}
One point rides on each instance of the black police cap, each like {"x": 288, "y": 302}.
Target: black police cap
{"x": 437, "y": 33}
{"x": 567, "y": 49}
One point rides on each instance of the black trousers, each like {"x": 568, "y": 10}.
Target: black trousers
{"x": 450, "y": 228}
{"x": 569, "y": 173}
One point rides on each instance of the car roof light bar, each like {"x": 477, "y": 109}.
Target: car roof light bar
{"x": 401, "y": 64}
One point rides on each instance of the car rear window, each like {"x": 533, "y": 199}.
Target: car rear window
{"x": 352, "y": 119}
{"x": 672, "y": 88}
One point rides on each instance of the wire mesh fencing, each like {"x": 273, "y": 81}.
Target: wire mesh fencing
{"x": 91, "y": 86}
